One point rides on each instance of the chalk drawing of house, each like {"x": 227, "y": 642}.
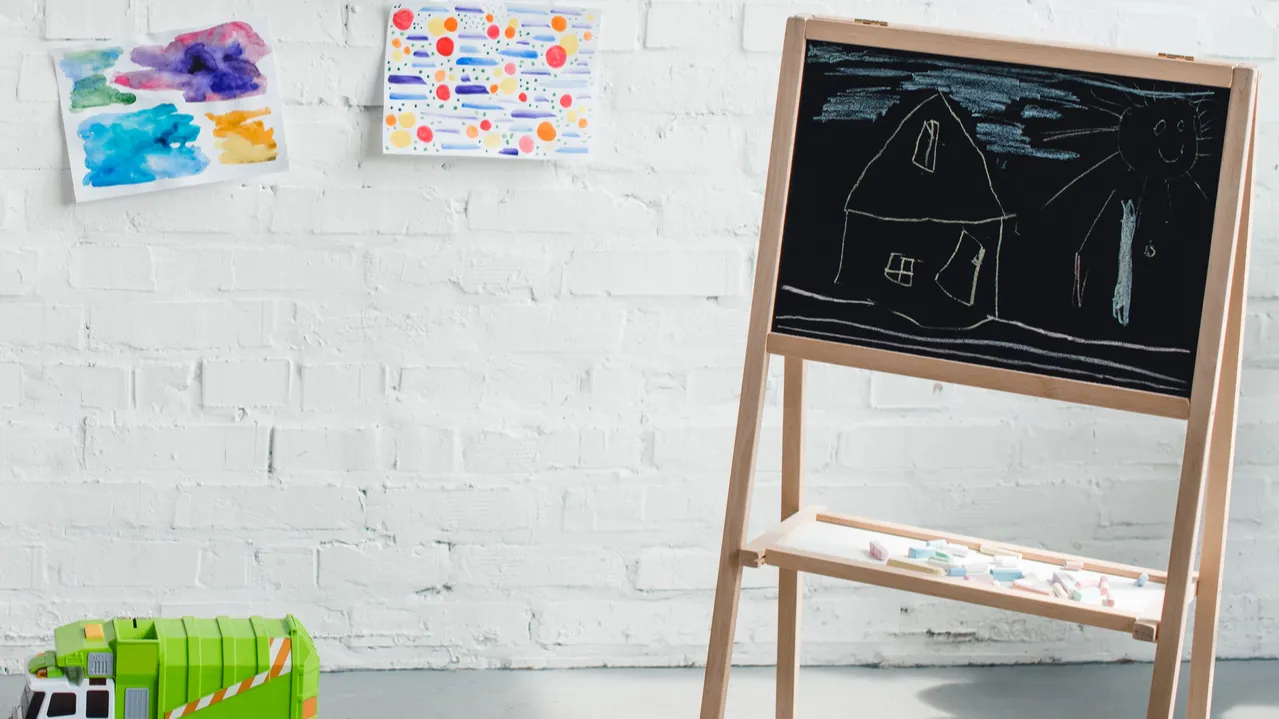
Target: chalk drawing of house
{"x": 923, "y": 225}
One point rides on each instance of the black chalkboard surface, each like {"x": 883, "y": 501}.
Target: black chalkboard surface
{"x": 1049, "y": 221}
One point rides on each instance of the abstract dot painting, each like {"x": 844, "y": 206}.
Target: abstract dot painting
{"x": 507, "y": 81}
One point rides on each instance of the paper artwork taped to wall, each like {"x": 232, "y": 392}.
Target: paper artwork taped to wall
{"x": 490, "y": 80}
{"x": 171, "y": 109}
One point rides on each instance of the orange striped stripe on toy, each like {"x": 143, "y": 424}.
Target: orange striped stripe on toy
{"x": 281, "y": 653}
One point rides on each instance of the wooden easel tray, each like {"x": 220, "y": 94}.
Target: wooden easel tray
{"x": 833, "y": 545}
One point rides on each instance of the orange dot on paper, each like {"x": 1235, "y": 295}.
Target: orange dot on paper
{"x": 559, "y": 23}
{"x": 489, "y": 17}
{"x": 396, "y": 42}
{"x": 510, "y": 33}
{"x": 587, "y": 35}
{"x": 581, "y": 122}
{"x": 472, "y": 131}
{"x": 492, "y": 89}
{"x": 546, "y": 131}
{"x": 440, "y": 75}
{"x": 450, "y": 24}
{"x": 390, "y": 120}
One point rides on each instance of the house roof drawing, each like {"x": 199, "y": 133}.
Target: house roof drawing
{"x": 929, "y": 169}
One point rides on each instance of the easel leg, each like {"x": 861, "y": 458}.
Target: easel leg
{"x": 1221, "y": 455}
{"x": 790, "y": 583}
{"x": 728, "y": 587}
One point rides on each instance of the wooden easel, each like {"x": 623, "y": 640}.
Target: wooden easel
{"x": 1204, "y": 493}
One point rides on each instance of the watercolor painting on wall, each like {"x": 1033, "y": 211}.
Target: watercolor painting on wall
{"x": 171, "y": 110}
{"x": 490, "y": 80}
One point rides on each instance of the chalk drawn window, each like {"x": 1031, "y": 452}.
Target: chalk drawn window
{"x": 926, "y": 146}
{"x": 958, "y": 278}
{"x": 900, "y": 270}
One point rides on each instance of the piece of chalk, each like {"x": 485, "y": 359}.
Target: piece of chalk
{"x": 1141, "y": 580}
{"x": 915, "y": 566}
{"x": 1088, "y": 583}
{"x": 1005, "y": 560}
{"x": 1074, "y": 565}
{"x": 1107, "y": 602}
{"x": 942, "y": 556}
{"x": 1103, "y": 581}
{"x": 980, "y": 578}
{"x": 997, "y": 551}
{"x": 1089, "y": 595}
{"x": 978, "y": 567}
{"x": 1033, "y": 586}
{"x": 957, "y": 550}
{"x": 943, "y": 563}
{"x": 1065, "y": 579}
{"x": 936, "y": 543}
{"x": 957, "y": 571}
{"x": 1061, "y": 591}
{"x": 921, "y": 552}
{"x": 878, "y": 551}
{"x": 1005, "y": 574}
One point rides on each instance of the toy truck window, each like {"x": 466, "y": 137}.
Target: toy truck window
{"x": 61, "y": 704}
{"x": 31, "y": 703}
{"x": 97, "y": 703}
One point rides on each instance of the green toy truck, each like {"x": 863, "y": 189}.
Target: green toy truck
{"x": 173, "y": 668}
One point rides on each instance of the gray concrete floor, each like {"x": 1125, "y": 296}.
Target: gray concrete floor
{"x": 1245, "y": 690}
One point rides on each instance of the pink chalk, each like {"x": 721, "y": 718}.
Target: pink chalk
{"x": 878, "y": 551}
{"x": 1074, "y": 565}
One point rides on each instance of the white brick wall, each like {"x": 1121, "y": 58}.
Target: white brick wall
{"x": 479, "y": 414}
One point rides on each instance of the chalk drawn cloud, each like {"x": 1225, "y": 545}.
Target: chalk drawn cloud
{"x": 219, "y": 63}
{"x": 138, "y": 147}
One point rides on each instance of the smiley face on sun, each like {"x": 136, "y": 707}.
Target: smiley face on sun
{"x": 1159, "y": 139}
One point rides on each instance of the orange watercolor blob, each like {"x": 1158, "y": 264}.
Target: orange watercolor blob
{"x": 489, "y": 17}
{"x": 450, "y": 24}
{"x": 492, "y": 89}
{"x": 546, "y": 131}
{"x": 581, "y": 122}
{"x": 587, "y": 35}
{"x": 473, "y": 132}
{"x": 559, "y": 23}
{"x": 439, "y": 76}
{"x": 390, "y": 120}
{"x": 510, "y": 33}
{"x": 396, "y": 42}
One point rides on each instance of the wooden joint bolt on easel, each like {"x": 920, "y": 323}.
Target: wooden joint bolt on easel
{"x": 839, "y": 319}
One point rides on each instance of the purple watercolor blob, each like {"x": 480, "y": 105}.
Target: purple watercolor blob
{"x": 219, "y": 63}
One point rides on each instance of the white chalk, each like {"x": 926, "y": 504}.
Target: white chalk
{"x": 984, "y": 578}
{"x": 1005, "y": 560}
{"x": 1060, "y": 591}
{"x": 1074, "y": 565}
{"x": 957, "y": 550}
{"x": 995, "y": 550}
{"x": 937, "y": 543}
{"x": 978, "y": 567}
{"x": 878, "y": 551}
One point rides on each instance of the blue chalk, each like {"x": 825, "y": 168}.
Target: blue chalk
{"x": 921, "y": 552}
{"x": 957, "y": 571}
{"x": 1141, "y": 581}
{"x": 1005, "y": 574}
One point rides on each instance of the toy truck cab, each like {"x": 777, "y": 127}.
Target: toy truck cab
{"x": 219, "y": 668}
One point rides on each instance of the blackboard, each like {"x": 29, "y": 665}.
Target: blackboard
{"x": 1048, "y": 221}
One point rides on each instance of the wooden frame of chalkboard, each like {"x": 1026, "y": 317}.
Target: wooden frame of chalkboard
{"x": 1201, "y": 386}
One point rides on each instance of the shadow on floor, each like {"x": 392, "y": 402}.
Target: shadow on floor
{"x": 1243, "y": 690}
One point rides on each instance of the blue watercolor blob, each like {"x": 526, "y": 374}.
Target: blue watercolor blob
{"x": 472, "y": 36}
{"x": 459, "y": 147}
{"x": 422, "y": 53}
{"x": 508, "y": 151}
{"x": 471, "y": 90}
{"x": 531, "y": 114}
{"x": 544, "y": 38}
{"x": 462, "y": 8}
{"x": 79, "y": 65}
{"x": 479, "y": 106}
{"x": 405, "y": 80}
{"x": 407, "y": 96}
{"x": 144, "y": 146}
{"x": 574, "y": 150}
{"x": 526, "y": 54}
{"x": 476, "y": 61}
{"x": 419, "y": 38}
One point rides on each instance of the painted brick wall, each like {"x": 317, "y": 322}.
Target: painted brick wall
{"x": 477, "y": 414}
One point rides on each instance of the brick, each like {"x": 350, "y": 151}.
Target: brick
{"x": 515, "y": 451}
{"x": 37, "y": 446}
{"x": 21, "y": 568}
{"x": 476, "y": 272}
{"x": 563, "y": 211}
{"x": 554, "y": 329}
{"x": 117, "y": 563}
{"x": 192, "y": 269}
{"x": 919, "y": 446}
{"x": 10, "y": 384}
{"x": 366, "y": 25}
{"x": 684, "y": 24}
{"x": 324, "y": 449}
{"x": 184, "y": 448}
{"x": 287, "y": 509}
{"x": 317, "y": 74}
{"x": 1242, "y": 37}
{"x": 246, "y": 383}
{"x": 444, "y": 387}
{"x": 221, "y": 209}
{"x": 508, "y": 567}
{"x": 605, "y": 509}
{"x": 706, "y": 273}
{"x": 332, "y": 387}
{"x": 60, "y": 507}
{"x": 450, "y": 623}
{"x": 1158, "y": 32}
{"x": 112, "y": 268}
{"x": 224, "y": 566}
{"x": 383, "y": 569}
{"x": 314, "y": 21}
{"x": 282, "y": 268}
{"x": 167, "y": 16}
{"x": 669, "y": 569}
{"x": 620, "y": 26}
{"x": 425, "y": 514}
{"x": 98, "y": 387}
{"x": 611, "y": 448}
{"x": 19, "y": 270}
{"x": 183, "y": 325}
{"x": 425, "y": 449}
{"x": 37, "y": 325}
{"x": 70, "y": 20}
{"x": 285, "y": 568}
{"x": 534, "y": 384}
{"x": 702, "y": 211}
{"x": 890, "y": 391}
{"x": 167, "y": 389}
{"x": 358, "y": 211}
{"x": 764, "y": 25}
